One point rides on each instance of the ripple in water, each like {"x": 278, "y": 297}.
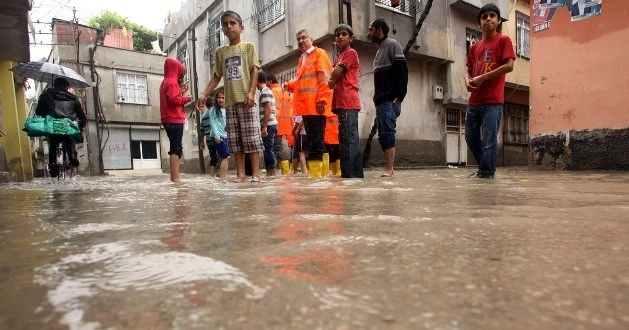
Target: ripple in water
{"x": 116, "y": 267}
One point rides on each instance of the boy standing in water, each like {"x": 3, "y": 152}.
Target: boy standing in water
{"x": 488, "y": 62}
{"x": 238, "y": 63}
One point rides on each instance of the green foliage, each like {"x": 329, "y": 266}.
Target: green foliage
{"x": 142, "y": 36}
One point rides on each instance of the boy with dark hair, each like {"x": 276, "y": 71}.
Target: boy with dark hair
{"x": 488, "y": 62}
{"x": 268, "y": 123}
{"x": 238, "y": 63}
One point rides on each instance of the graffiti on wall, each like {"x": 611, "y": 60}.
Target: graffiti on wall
{"x": 544, "y": 10}
{"x": 582, "y": 9}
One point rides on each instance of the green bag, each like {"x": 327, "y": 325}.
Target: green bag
{"x": 35, "y": 127}
{"x": 52, "y": 126}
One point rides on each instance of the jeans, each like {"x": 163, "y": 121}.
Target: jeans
{"x": 387, "y": 114}
{"x": 349, "y": 146}
{"x": 278, "y": 148}
{"x": 315, "y": 128}
{"x": 483, "y": 119}
{"x": 211, "y": 148}
{"x": 269, "y": 142}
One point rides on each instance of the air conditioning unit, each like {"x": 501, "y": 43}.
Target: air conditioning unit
{"x": 437, "y": 92}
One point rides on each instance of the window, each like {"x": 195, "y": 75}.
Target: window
{"x": 471, "y": 37}
{"x": 182, "y": 56}
{"x": 214, "y": 39}
{"x": 410, "y": 7}
{"x": 523, "y": 35}
{"x": 516, "y": 124}
{"x": 143, "y": 149}
{"x": 266, "y": 13}
{"x": 132, "y": 89}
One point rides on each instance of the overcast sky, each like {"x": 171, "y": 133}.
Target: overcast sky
{"x": 149, "y": 13}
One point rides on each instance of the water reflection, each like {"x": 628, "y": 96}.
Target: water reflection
{"x": 428, "y": 249}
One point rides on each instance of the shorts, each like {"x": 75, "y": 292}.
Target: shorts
{"x": 175, "y": 134}
{"x": 222, "y": 149}
{"x": 300, "y": 145}
{"x": 243, "y": 129}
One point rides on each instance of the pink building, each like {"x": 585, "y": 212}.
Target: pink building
{"x": 579, "y": 72}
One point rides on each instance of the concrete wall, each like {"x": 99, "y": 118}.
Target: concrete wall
{"x": 578, "y": 90}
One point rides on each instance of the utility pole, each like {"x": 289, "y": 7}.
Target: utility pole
{"x": 97, "y": 117}
{"x": 195, "y": 81}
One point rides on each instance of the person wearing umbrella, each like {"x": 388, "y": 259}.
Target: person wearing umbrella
{"x": 59, "y": 103}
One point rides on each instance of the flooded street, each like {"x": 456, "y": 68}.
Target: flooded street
{"x": 425, "y": 249}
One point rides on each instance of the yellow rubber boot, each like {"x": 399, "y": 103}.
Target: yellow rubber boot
{"x": 325, "y": 169}
{"x": 314, "y": 169}
{"x": 284, "y": 167}
{"x": 336, "y": 168}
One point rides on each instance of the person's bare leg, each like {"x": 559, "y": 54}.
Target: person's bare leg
{"x": 212, "y": 171}
{"x": 389, "y": 158}
{"x": 302, "y": 162}
{"x": 255, "y": 166}
{"x": 270, "y": 172}
{"x": 174, "y": 168}
{"x": 240, "y": 167}
{"x": 222, "y": 170}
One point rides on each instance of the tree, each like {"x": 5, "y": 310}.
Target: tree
{"x": 142, "y": 36}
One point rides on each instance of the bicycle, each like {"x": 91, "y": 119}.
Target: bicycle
{"x": 64, "y": 167}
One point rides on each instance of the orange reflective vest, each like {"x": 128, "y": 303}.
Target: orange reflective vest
{"x": 284, "y": 111}
{"x": 311, "y": 84}
{"x": 331, "y": 135}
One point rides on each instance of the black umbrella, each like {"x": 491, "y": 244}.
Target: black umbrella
{"x": 47, "y": 72}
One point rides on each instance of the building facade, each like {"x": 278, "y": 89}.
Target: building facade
{"x": 122, "y": 106}
{"x": 579, "y": 119}
{"x": 430, "y": 130}
{"x": 15, "y": 150}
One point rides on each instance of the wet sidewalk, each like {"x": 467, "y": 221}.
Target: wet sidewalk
{"x": 426, "y": 249}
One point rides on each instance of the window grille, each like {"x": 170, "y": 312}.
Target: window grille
{"x": 516, "y": 124}
{"x": 267, "y": 13}
{"x": 132, "y": 89}
{"x": 523, "y": 36}
{"x": 471, "y": 37}
{"x": 287, "y": 75}
{"x": 182, "y": 56}
{"x": 214, "y": 39}
{"x": 410, "y": 7}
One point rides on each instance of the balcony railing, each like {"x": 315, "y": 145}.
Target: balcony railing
{"x": 410, "y": 7}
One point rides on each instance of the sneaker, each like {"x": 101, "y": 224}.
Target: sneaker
{"x": 486, "y": 176}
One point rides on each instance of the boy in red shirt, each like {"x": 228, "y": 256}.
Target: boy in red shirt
{"x": 346, "y": 103}
{"x": 488, "y": 62}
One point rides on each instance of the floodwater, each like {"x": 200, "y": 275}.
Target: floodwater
{"x": 426, "y": 249}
